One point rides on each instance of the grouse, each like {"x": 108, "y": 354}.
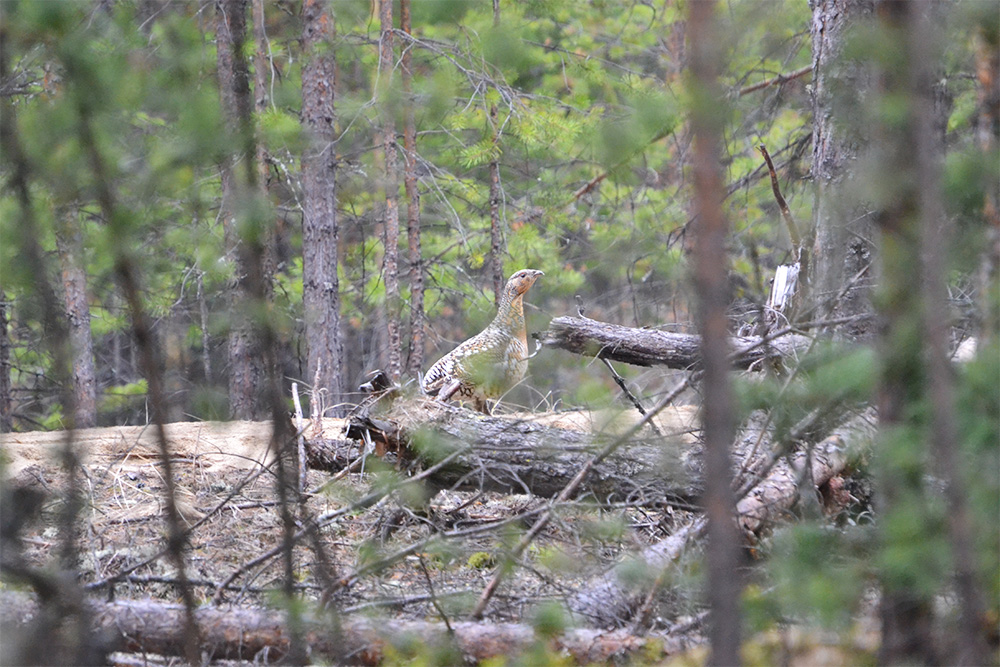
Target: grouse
{"x": 485, "y": 366}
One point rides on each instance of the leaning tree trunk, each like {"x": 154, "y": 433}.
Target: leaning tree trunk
{"x": 320, "y": 227}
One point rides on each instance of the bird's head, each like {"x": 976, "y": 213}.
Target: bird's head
{"x": 521, "y": 281}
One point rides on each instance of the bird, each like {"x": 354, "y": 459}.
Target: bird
{"x": 487, "y": 365}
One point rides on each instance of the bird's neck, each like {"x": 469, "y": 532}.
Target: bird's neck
{"x": 510, "y": 314}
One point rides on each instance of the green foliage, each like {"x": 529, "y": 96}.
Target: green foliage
{"x": 978, "y": 416}
{"x": 819, "y": 573}
{"x": 550, "y": 619}
{"x": 122, "y": 397}
{"x": 593, "y": 157}
{"x": 481, "y": 560}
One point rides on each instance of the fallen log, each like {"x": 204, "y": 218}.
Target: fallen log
{"x": 608, "y": 600}
{"x": 773, "y": 497}
{"x": 154, "y": 627}
{"x": 522, "y": 454}
{"x": 653, "y": 347}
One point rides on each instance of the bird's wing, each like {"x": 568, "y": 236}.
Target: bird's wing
{"x": 444, "y": 368}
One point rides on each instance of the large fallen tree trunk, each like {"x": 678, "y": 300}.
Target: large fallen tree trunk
{"x": 148, "y": 626}
{"x": 607, "y": 600}
{"x": 652, "y": 347}
{"x": 525, "y": 455}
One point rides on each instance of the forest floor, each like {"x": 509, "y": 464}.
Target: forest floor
{"x": 217, "y": 471}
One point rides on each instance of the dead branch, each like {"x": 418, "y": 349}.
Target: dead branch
{"x": 778, "y": 80}
{"x": 793, "y": 229}
{"x": 608, "y": 601}
{"x": 652, "y": 347}
{"x": 148, "y": 626}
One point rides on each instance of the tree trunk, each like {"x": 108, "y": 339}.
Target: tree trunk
{"x": 390, "y": 263}
{"x": 987, "y": 139}
{"x": 843, "y": 255}
{"x": 69, "y": 244}
{"x": 320, "y": 227}
{"x": 525, "y": 455}
{"x": 711, "y": 286}
{"x": 916, "y": 368}
{"x": 906, "y": 609}
{"x": 6, "y": 397}
{"x": 246, "y": 362}
{"x": 415, "y": 358}
{"x": 206, "y": 339}
{"x": 651, "y": 347}
{"x": 496, "y": 232}
{"x": 154, "y": 627}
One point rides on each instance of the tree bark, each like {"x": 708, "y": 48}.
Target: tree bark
{"x": 149, "y": 626}
{"x": 711, "y": 284}
{"x": 496, "y": 231}
{"x": 6, "y": 397}
{"x": 320, "y": 226}
{"x": 390, "y": 262}
{"x": 844, "y": 252}
{"x": 261, "y": 69}
{"x": 69, "y": 244}
{"x": 415, "y": 358}
{"x": 652, "y": 347}
{"x": 521, "y": 455}
{"x": 246, "y": 362}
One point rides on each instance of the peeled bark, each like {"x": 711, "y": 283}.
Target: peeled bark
{"x": 150, "y": 626}
{"x": 652, "y": 347}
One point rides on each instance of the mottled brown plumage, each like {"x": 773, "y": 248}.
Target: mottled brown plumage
{"x": 485, "y": 366}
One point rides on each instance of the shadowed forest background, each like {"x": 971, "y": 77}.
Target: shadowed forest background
{"x": 211, "y": 206}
